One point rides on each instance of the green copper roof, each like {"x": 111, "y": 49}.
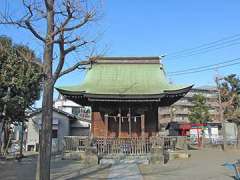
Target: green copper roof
{"x": 124, "y": 79}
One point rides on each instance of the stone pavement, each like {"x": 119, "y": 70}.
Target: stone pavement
{"x": 124, "y": 171}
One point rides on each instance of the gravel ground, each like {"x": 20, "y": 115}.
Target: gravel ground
{"x": 12, "y": 169}
{"x": 74, "y": 170}
{"x": 204, "y": 164}
{"x": 60, "y": 170}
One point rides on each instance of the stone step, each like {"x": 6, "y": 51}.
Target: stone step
{"x": 125, "y": 172}
{"x": 124, "y": 161}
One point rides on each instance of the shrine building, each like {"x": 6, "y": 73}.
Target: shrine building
{"x": 124, "y": 94}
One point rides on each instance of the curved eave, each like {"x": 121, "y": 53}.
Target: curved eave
{"x": 85, "y": 98}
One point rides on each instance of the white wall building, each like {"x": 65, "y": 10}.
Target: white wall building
{"x": 83, "y": 113}
{"x": 69, "y": 119}
{"x": 61, "y": 127}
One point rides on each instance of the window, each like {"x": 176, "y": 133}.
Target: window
{"x": 54, "y": 133}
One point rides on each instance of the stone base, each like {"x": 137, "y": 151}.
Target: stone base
{"x": 157, "y": 159}
{"x": 74, "y": 155}
{"x": 87, "y": 157}
{"x": 90, "y": 156}
{"x": 157, "y": 156}
{"x": 178, "y": 155}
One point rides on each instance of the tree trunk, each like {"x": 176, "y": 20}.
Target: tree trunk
{"x": 45, "y": 142}
{"x": 2, "y": 130}
{"x": 5, "y": 138}
{"x": 21, "y": 141}
{"x": 1, "y": 136}
{"x": 46, "y": 133}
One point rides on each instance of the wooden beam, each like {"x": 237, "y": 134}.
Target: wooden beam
{"x": 142, "y": 125}
{"x": 106, "y": 124}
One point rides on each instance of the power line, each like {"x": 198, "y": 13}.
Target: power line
{"x": 207, "y": 46}
{"x": 206, "y": 66}
{"x": 206, "y": 69}
{"x": 206, "y": 50}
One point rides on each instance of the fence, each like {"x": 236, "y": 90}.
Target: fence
{"x": 126, "y": 146}
{"x": 75, "y": 143}
{"x": 175, "y": 142}
{"x": 219, "y": 142}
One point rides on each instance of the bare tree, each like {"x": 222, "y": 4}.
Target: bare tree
{"x": 57, "y": 25}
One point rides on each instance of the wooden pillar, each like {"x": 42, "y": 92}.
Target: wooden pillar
{"x": 106, "y": 124}
{"x": 142, "y": 125}
{"x": 129, "y": 125}
{"x": 159, "y": 120}
{"x": 92, "y": 125}
{"x": 119, "y": 125}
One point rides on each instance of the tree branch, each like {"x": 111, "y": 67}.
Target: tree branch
{"x": 29, "y": 25}
{"x": 23, "y": 22}
{"x": 75, "y": 66}
{"x": 33, "y": 31}
{"x": 70, "y": 12}
{"x": 88, "y": 17}
{"x": 74, "y": 47}
{"x": 61, "y": 58}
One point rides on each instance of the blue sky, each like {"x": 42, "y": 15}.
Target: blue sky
{"x": 154, "y": 28}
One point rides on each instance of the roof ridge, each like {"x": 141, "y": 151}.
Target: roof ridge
{"x": 129, "y": 57}
{"x": 128, "y": 60}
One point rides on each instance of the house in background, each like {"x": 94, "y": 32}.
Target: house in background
{"x": 82, "y": 126}
{"x": 82, "y": 112}
{"x": 64, "y": 124}
{"x": 179, "y": 111}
